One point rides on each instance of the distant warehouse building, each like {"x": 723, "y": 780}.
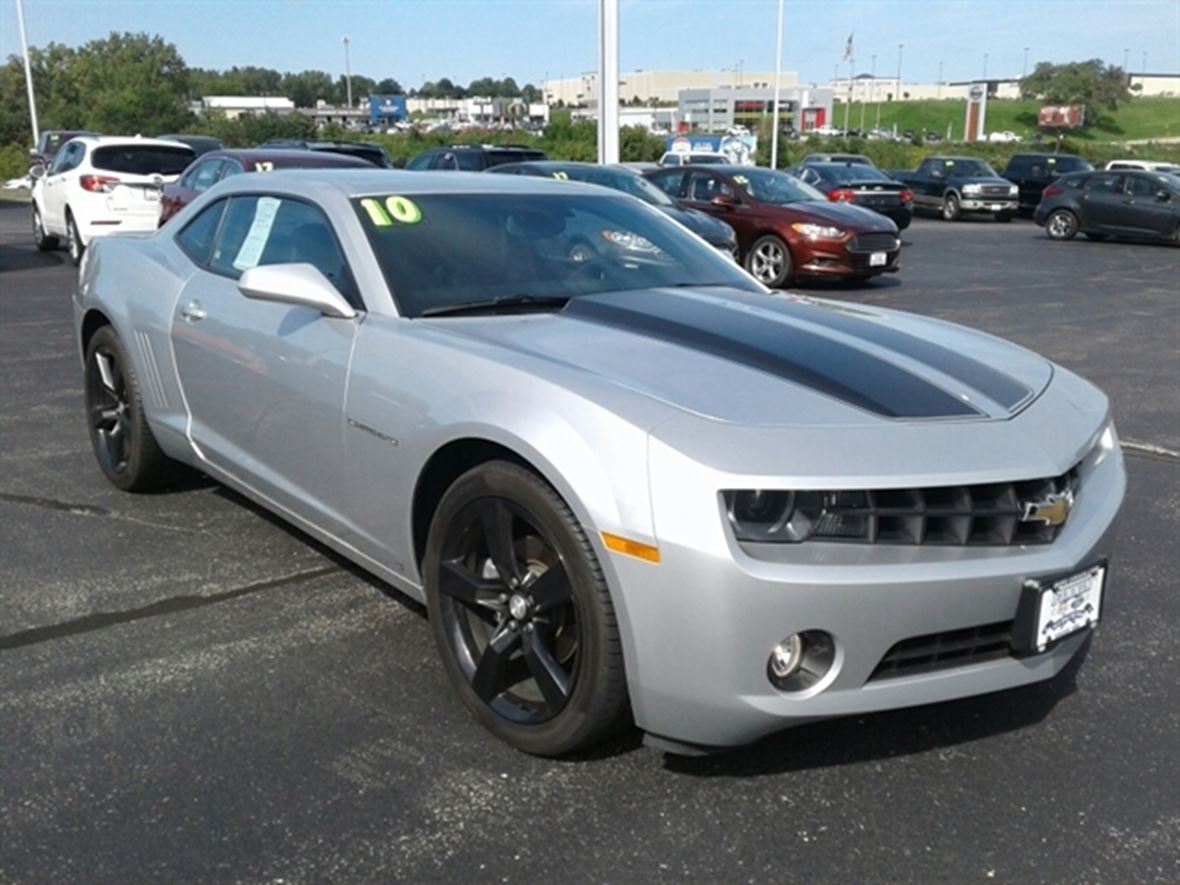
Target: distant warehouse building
{"x": 235, "y": 106}
{"x": 646, "y": 87}
{"x": 718, "y": 110}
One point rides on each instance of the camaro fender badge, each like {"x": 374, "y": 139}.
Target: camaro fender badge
{"x": 1050, "y": 510}
{"x": 384, "y": 437}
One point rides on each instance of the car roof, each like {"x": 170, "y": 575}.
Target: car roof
{"x": 327, "y": 184}
{"x": 288, "y": 157}
{"x": 128, "y": 141}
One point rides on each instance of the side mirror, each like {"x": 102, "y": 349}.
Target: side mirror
{"x": 301, "y": 285}
{"x": 723, "y": 201}
{"x": 1163, "y": 196}
{"x": 37, "y": 171}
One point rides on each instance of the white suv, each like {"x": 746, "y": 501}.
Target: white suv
{"x": 98, "y": 185}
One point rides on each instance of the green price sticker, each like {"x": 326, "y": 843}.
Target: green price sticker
{"x": 402, "y": 210}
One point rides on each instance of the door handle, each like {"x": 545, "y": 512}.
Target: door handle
{"x": 193, "y": 312}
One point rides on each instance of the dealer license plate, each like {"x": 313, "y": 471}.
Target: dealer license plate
{"x": 1067, "y": 605}
{"x": 878, "y": 259}
{"x": 996, "y": 207}
{"x": 151, "y": 193}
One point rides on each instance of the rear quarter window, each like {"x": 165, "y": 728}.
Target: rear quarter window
{"x": 142, "y": 159}
{"x": 196, "y": 238}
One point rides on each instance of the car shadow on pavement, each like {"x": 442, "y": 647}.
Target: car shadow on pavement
{"x": 889, "y": 734}
{"x": 28, "y": 258}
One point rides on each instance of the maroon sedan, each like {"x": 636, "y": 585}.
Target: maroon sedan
{"x": 785, "y": 228}
{"x": 210, "y": 168}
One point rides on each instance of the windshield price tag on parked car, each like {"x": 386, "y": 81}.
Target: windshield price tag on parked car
{"x": 399, "y": 209}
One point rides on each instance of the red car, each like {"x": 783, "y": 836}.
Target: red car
{"x": 210, "y": 168}
{"x": 786, "y": 228}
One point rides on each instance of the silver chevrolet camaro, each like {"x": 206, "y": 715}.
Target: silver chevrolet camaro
{"x": 629, "y": 482}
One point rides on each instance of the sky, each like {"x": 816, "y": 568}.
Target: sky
{"x": 417, "y": 40}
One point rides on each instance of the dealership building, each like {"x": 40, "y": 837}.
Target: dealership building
{"x": 718, "y": 110}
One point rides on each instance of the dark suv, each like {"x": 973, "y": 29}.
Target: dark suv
{"x": 475, "y": 157}
{"x": 1032, "y": 173}
{"x": 364, "y": 150}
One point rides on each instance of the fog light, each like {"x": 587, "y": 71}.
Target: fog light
{"x": 786, "y": 657}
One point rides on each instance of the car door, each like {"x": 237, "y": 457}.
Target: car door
{"x": 264, "y": 382}
{"x": 1101, "y": 203}
{"x": 929, "y": 184}
{"x": 1144, "y": 213}
{"x": 54, "y": 188}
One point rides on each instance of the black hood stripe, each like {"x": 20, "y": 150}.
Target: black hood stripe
{"x": 993, "y": 384}
{"x": 781, "y": 349}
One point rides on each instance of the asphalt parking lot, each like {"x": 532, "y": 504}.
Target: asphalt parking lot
{"x": 192, "y": 691}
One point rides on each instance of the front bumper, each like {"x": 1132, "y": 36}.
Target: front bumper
{"x": 703, "y": 622}
{"x": 840, "y": 260}
{"x": 988, "y": 204}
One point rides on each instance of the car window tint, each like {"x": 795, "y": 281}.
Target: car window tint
{"x": 1141, "y": 186}
{"x": 142, "y": 159}
{"x": 1103, "y": 183}
{"x": 268, "y": 230}
{"x": 469, "y": 161}
{"x": 204, "y": 176}
{"x": 705, "y": 187}
{"x": 196, "y": 237}
{"x": 670, "y": 183}
{"x": 67, "y": 159}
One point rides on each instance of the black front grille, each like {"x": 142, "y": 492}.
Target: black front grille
{"x": 994, "y": 190}
{"x": 874, "y": 242}
{"x": 938, "y": 651}
{"x": 976, "y": 515}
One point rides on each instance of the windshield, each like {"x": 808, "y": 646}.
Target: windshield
{"x": 855, "y": 172}
{"x": 1061, "y": 165}
{"x": 779, "y": 188}
{"x": 627, "y": 182}
{"x": 441, "y": 250}
{"x": 142, "y": 159}
{"x": 975, "y": 169}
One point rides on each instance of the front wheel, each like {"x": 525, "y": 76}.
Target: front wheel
{"x": 74, "y": 243}
{"x": 951, "y": 208}
{"x": 41, "y": 240}
{"x": 521, "y": 614}
{"x": 1061, "y": 225}
{"x": 127, "y": 452}
{"x": 769, "y": 260}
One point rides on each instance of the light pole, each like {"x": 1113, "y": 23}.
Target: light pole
{"x": 900, "y": 47}
{"x": 778, "y": 64}
{"x": 985, "y": 66}
{"x": 940, "y": 79}
{"x": 876, "y": 94}
{"x": 347, "y": 72}
{"x": 1024, "y": 70}
{"x": 1143, "y": 70}
{"x": 24, "y": 51}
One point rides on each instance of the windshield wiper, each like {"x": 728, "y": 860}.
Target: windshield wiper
{"x": 504, "y": 302}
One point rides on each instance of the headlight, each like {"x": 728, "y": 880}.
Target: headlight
{"x": 818, "y": 231}
{"x": 971, "y": 188}
{"x": 632, "y": 242}
{"x": 763, "y": 516}
{"x": 1013, "y": 191}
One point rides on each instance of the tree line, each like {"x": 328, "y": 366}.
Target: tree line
{"x": 127, "y": 83}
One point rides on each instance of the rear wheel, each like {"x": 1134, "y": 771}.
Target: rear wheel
{"x": 123, "y": 443}
{"x": 521, "y": 614}
{"x": 42, "y": 240}
{"x": 1061, "y": 225}
{"x": 952, "y": 210}
{"x": 73, "y": 240}
{"x": 769, "y": 260}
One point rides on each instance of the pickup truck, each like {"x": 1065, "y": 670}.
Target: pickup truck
{"x": 953, "y": 186}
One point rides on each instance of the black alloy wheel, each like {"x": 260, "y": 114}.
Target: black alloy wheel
{"x": 520, "y": 612}
{"x": 123, "y": 443}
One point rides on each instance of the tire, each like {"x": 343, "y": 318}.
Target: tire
{"x": 951, "y": 208}
{"x": 127, "y": 453}
{"x": 42, "y": 240}
{"x": 537, "y": 659}
{"x": 1061, "y": 225}
{"x": 769, "y": 260}
{"x": 1005, "y": 217}
{"x": 74, "y": 243}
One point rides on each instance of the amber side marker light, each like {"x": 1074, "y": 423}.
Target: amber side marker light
{"x": 646, "y": 552}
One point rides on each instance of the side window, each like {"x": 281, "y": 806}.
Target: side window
{"x": 230, "y": 167}
{"x": 196, "y": 238}
{"x": 268, "y": 230}
{"x": 810, "y": 176}
{"x": 670, "y": 183}
{"x": 470, "y": 161}
{"x": 204, "y": 176}
{"x": 1104, "y": 184}
{"x": 422, "y": 161}
{"x": 1140, "y": 186}
{"x": 704, "y": 187}
{"x": 927, "y": 168}
{"x": 445, "y": 160}
{"x": 67, "y": 158}
{"x": 1017, "y": 166}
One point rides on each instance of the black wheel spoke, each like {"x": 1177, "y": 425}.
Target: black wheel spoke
{"x": 480, "y": 596}
{"x": 496, "y": 520}
{"x": 491, "y": 673}
{"x": 551, "y": 589}
{"x": 103, "y": 417}
{"x": 553, "y": 681}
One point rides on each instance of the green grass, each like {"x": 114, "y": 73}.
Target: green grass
{"x": 1136, "y": 119}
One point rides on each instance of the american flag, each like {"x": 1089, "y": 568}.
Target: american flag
{"x": 848, "y": 48}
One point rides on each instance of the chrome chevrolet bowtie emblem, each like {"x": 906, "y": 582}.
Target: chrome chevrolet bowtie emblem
{"x": 1050, "y": 510}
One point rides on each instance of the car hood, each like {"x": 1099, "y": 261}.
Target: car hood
{"x": 857, "y": 218}
{"x": 982, "y": 179}
{"x": 772, "y": 360}
{"x": 712, "y": 231}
